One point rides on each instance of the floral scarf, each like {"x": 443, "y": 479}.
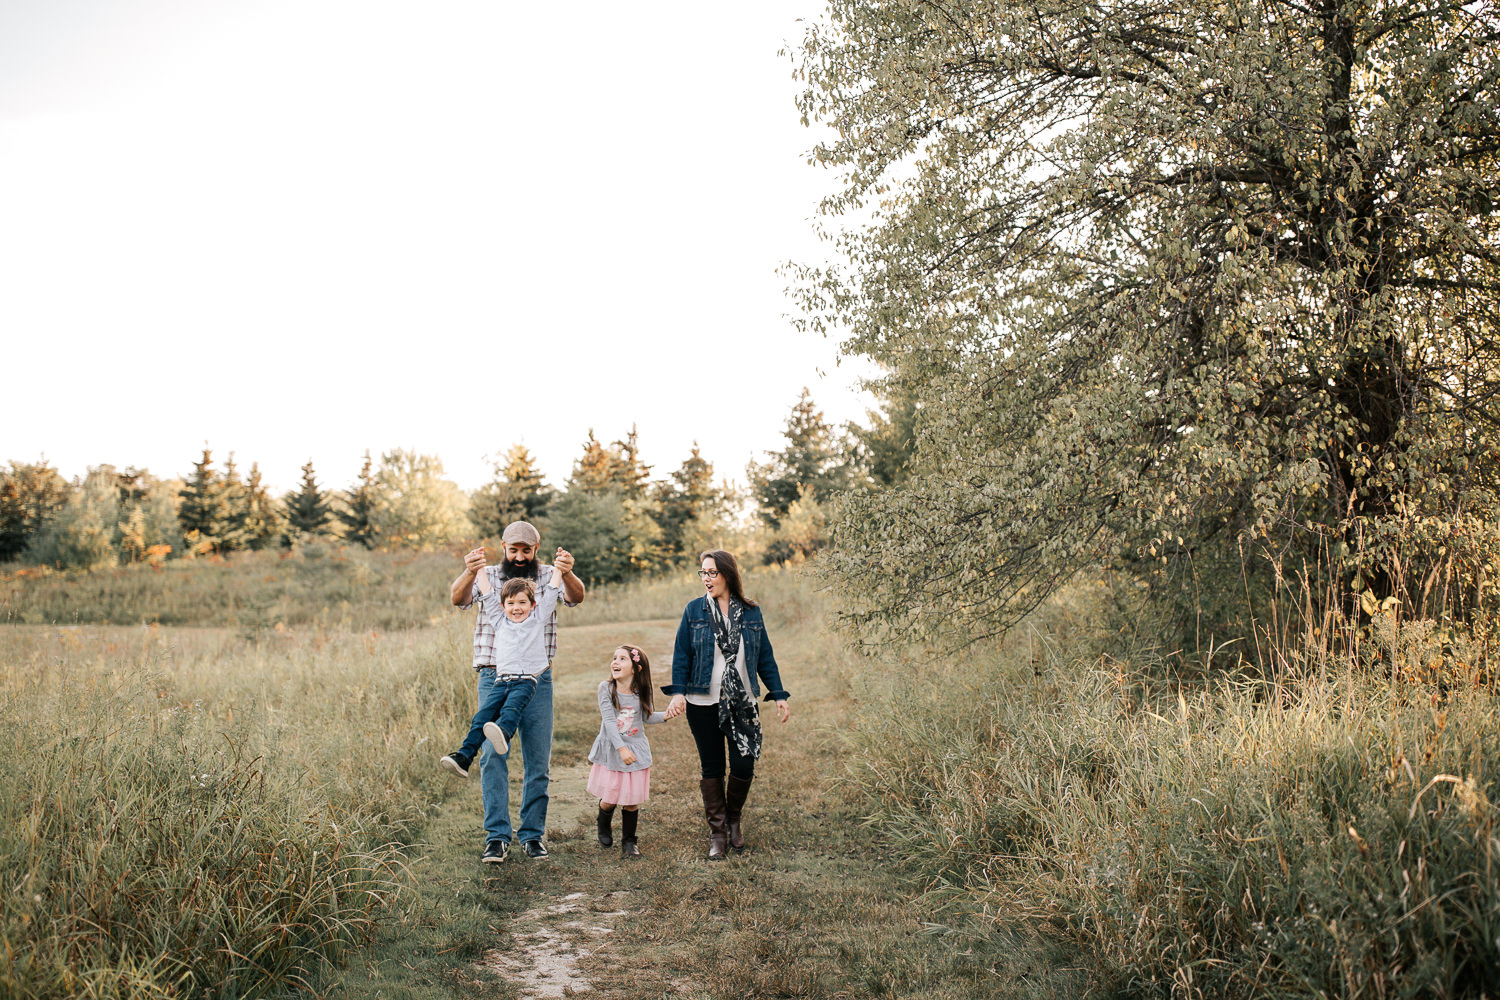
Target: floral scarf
{"x": 739, "y": 719}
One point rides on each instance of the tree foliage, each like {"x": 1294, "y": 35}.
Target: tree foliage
{"x": 309, "y": 509}
{"x": 416, "y": 506}
{"x": 30, "y": 493}
{"x": 518, "y": 492}
{"x": 814, "y": 463}
{"x": 1167, "y": 278}
{"x": 205, "y": 508}
{"x": 358, "y": 507}
{"x": 593, "y": 527}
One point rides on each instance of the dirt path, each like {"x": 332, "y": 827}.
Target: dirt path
{"x": 812, "y": 910}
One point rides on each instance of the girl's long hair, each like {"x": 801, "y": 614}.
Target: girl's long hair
{"x": 730, "y": 571}
{"x": 640, "y": 679}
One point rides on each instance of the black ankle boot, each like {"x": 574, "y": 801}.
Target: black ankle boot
{"x": 628, "y": 846}
{"x": 606, "y": 817}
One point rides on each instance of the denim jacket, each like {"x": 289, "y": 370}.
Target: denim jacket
{"x": 693, "y": 655}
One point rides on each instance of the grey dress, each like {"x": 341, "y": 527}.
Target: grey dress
{"x": 622, "y": 729}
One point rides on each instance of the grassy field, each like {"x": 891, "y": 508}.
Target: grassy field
{"x": 217, "y": 810}
{"x": 236, "y": 808}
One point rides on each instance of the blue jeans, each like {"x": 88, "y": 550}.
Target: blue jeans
{"x": 503, "y": 706}
{"x": 536, "y": 751}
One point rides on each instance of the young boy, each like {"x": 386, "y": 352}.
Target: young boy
{"x": 519, "y": 616}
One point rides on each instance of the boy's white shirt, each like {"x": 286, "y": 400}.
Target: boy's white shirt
{"x": 521, "y": 647}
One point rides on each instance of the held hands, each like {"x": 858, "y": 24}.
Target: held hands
{"x": 678, "y": 705}
{"x": 563, "y": 561}
{"x": 627, "y": 757}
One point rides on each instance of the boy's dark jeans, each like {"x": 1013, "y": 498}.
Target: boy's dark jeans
{"x": 508, "y": 697}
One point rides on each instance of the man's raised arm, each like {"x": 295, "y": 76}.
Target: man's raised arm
{"x": 463, "y": 586}
{"x": 572, "y": 587}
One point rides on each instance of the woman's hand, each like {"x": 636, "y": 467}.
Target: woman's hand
{"x": 675, "y": 707}
{"x": 626, "y": 756}
{"x": 783, "y": 711}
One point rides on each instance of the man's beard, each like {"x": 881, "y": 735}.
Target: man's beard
{"x": 511, "y": 570}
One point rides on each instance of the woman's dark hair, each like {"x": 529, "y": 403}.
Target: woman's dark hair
{"x": 640, "y": 679}
{"x": 730, "y": 571}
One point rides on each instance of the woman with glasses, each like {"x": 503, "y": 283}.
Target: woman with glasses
{"x": 722, "y": 652}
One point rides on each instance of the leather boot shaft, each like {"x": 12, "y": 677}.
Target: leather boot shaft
{"x": 713, "y": 810}
{"x": 736, "y": 791}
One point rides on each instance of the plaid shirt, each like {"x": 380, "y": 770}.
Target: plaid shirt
{"x": 484, "y": 632}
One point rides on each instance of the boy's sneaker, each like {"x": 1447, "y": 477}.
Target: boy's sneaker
{"x": 496, "y": 737}
{"x": 457, "y": 762}
{"x": 495, "y": 851}
{"x": 534, "y": 849}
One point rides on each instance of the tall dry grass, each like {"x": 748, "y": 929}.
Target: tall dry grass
{"x": 341, "y": 587}
{"x": 224, "y": 811}
{"x": 1329, "y": 830}
{"x": 191, "y": 813}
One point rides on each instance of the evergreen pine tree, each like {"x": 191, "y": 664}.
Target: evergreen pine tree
{"x": 687, "y": 496}
{"x": 359, "y": 503}
{"x": 204, "y": 513}
{"x": 262, "y": 522}
{"x": 594, "y": 472}
{"x": 813, "y": 463}
{"x": 518, "y": 492}
{"x": 236, "y": 533}
{"x": 307, "y": 510}
{"x": 628, "y": 475}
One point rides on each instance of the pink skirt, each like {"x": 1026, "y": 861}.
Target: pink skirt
{"x": 623, "y": 788}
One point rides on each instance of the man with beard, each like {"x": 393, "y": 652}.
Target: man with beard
{"x": 521, "y": 541}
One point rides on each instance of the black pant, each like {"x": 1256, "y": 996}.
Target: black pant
{"x": 703, "y": 720}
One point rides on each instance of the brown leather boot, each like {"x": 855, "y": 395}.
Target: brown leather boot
{"x": 735, "y": 792}
{"x": 713, "y": 809}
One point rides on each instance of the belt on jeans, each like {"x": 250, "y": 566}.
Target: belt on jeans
{"x": 515, "y": 677}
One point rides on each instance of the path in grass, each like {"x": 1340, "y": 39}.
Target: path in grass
{"x": 813, "y": 910}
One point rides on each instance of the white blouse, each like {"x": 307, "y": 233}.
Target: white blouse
{"x": 714, "y": 683}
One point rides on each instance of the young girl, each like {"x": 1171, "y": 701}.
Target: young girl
{"x": 621, "y": 774}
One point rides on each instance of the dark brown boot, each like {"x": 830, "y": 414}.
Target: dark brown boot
{"x": 713, "y": 809}
{"x": 734, "y": 803}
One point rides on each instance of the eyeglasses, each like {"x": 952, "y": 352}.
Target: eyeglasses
{"x": 709, "y": 574}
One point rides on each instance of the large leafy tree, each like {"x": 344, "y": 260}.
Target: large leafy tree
{"x": 416, "y": 506}
{"x": 1169, "y": 278}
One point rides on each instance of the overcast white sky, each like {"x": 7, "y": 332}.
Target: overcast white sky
{"x": 298, "y": 229}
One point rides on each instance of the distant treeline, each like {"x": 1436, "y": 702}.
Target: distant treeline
{"x": 611, "y": 513}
